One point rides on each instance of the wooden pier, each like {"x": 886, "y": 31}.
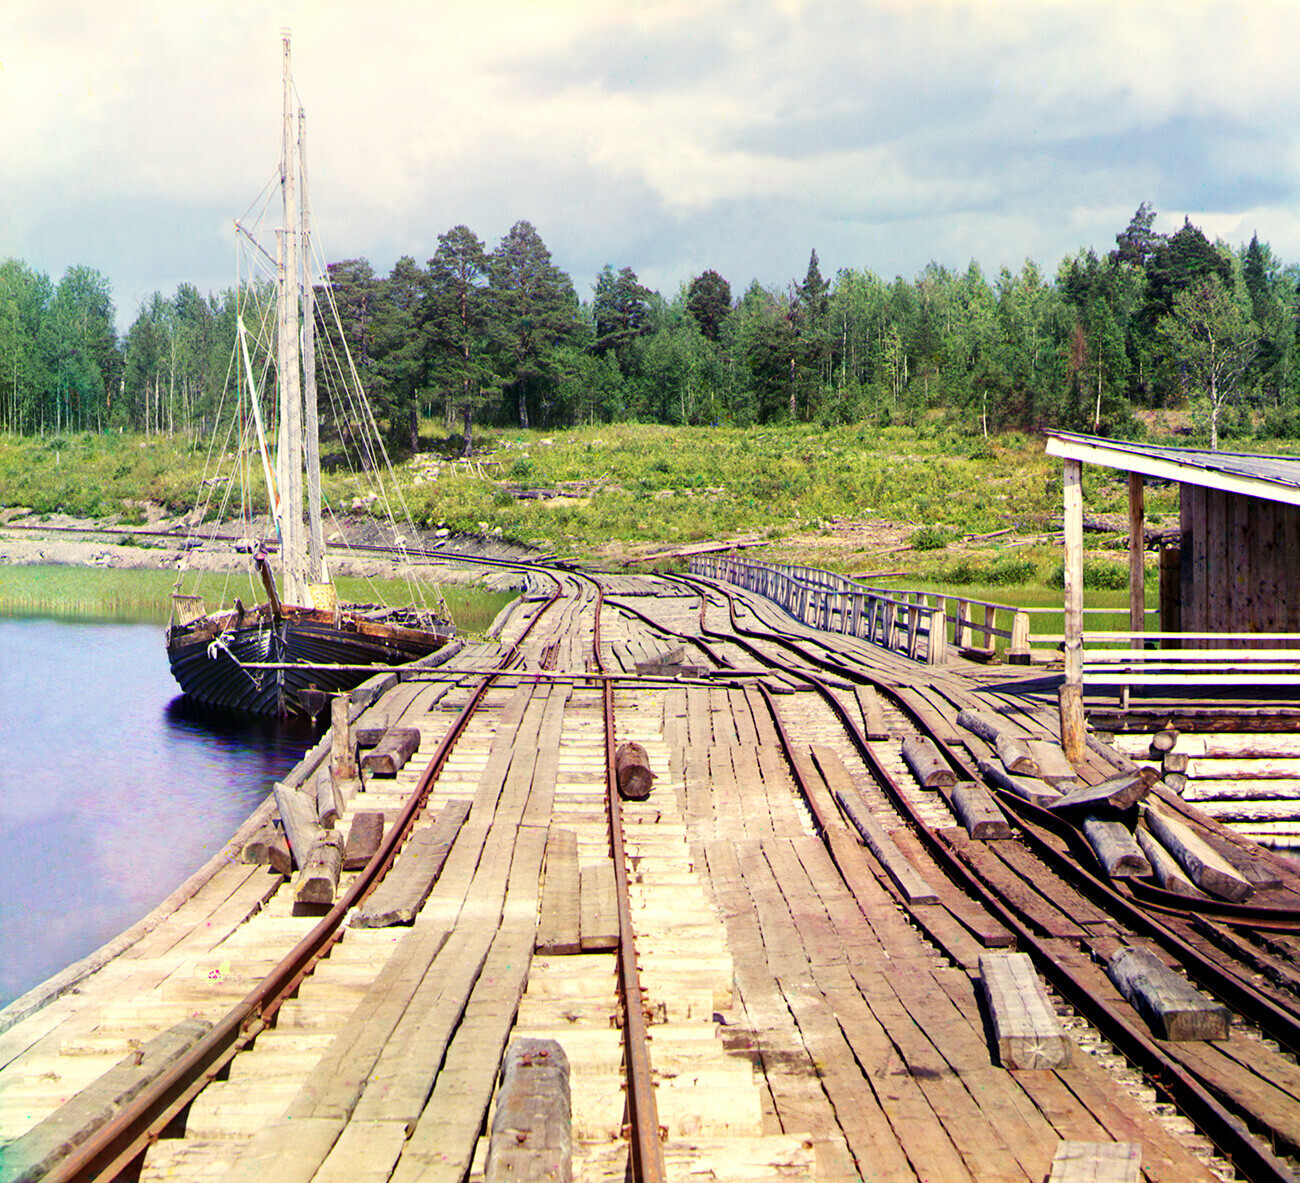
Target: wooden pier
{"x": 825, "y": 945}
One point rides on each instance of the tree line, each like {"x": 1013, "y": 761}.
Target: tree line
{"x": 479, "y": 335}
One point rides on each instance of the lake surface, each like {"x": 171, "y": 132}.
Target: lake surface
{"x": 112, "y": 789}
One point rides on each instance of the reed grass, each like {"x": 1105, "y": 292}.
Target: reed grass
{"x": 143, "y": 595}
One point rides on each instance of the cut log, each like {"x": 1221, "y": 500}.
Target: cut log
{"x": 1168, "y": 873}
{"x": 257, "y": 850}
{"x": 364, "y": 836}
{"x": 976, "y": 810}
{"x": 1119, "y": 792}
{"x": 980, "y": 724}
{"x": 298, "y": 814}
{"x": 1172, "y": 1007}
{"x": 319, "y": 878}
{"x": 1164, "y": 740}
{"x": 873, "y": 714}
{"x": 1025, "y": 1026}
{"x": 559, "y": 930}
{"x": 1097, "y": 1162}
{"x": 391, "y": 752}
{"x": 1115, "y": 848}
{"x": 37, "y": 1152}
{"x": 279, "y": 856}
{"x": 632, "y": 766}
{"x": 1038, "y": 792}
{"x": 329, "y": 804}
{"x": 401, "y": 895}
{"x": 1175, "y": 762}
{"x": 930, "y": 769}
{"x": 1177, "y": 782}
{"x": 1015, "y": 756}
{"x": 1205, "y": 867}
{"x": 1053, "y": 767}
{"x": 598, "y": 904}
{"x": 532, "y": 1130}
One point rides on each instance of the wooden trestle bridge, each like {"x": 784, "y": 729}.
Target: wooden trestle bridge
{"x": 792, "y": 959}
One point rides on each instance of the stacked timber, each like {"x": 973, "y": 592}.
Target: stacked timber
{"x": 1250, "y": 782}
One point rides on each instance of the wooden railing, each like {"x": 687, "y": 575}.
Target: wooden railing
{"x": 912, "y": 622}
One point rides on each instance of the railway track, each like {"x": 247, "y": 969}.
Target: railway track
{"x": 767, "y": 1002}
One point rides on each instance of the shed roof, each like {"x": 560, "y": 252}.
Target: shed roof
{"x": 1274, "y": 478}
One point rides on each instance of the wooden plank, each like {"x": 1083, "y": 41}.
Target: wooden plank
{"x": 928, "y": 766}
{"x": 1117, "y": 792}
{"x": 1172, "y": 1007}
{"x": 598, "y": 903}
{"x": 1053, "y": 767}
{"x": 976, "y": 810}
{"x": 1115, "y": 848}
{"x": 1097, "y": 1162}
{"x": 1021, "y": 894}
{"x": 1026, "y": 1030}
{"x": 531, "y": 1136}
{"x": 393, "y": 748}
{"x": 404, "y": 889}
{"x": 301, "y": 827}
{"x": 1164, "y": 866}
{"x": 1205, "y": 867}
{"x": 1015, "y": 756}
{"x": 36, "y": 1152}
{"x": 559, "y": 931}
{"x": 873, "y": 715}
{"x": 988, "y": 931}
{"x": 1037, "y": 792}
{"x": 364, "y": 836}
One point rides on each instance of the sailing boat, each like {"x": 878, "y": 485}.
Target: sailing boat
{"x": 283, "y": 656}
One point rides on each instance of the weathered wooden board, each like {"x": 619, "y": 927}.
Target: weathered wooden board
{"x": 364, "y": 836}
{"x": 1015, "y": 756}
{"x": 531, "y": 1136}
{"x": 873, "y": 715}
{"x": 391, "y": 752}
{"x": 404, "y": 889}
{"x": 1205, "y": 867}
{"x": 598, "y": 904}
{"x": 1118, "y": 792}
{"x": 1097, "y": 1162}
{"x": 558, "y": 930}
{"x": 1025, "y": 1027}
{"x": 1038, "y": 792}
{"x": 1172, "y": 1007}
{"x": 1168, "y": 873}
{"x": 1053, "y": 767}
{"x": 301, "y": 827}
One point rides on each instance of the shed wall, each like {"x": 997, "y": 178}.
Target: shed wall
{"x": 1240, "y": 563}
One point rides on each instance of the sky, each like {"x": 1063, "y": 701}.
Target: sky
{"x": 670, "y": 137}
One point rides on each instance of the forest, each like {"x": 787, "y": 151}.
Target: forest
{"x": 499, "y": 335}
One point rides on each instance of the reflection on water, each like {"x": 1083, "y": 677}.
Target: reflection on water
{"x": 112, "y": 788}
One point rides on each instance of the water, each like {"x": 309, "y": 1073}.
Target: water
{"x": 112, "y": 790}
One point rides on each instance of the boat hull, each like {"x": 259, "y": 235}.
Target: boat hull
{"x": 210, "y": 664}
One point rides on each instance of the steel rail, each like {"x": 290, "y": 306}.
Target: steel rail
{"x": 646, "y": 1147}
{"x": 1248, "y": 1151}
{"x": 114, "y": 1146}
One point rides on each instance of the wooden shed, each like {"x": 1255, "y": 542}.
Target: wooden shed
{"x": 1230, "y": 580}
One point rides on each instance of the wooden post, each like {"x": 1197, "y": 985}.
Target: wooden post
{"x": 342, "y": 758}
{"x": 1018, "y": 648}
{"x": 1137, "y": 604}
{"x": 1071, "y": 693}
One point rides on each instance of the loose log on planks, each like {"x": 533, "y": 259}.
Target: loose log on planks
{"x": 1115, "y": 848}
{"x": 1025, "y": 1027}
{"x": 1119, "y": 792}
{"x": 301, "y": 827}
{"x": 980, "y": 724}
{"x": 1204, "y": 865}
{"x": 976, "y": 810}
{"x": 392, "y": 748}
{"x": 1053, "y": 767}
{"x": 319, "y": 878}
{"x": 1015, "y": 756}
{"x": 1038, "y": 792}
{"x": 1168, "y": 873}
{"x": 1172, "y": 1007}
{"x": 257, "y": 850}
{"x": 532, "y": 1131}
{"x": 329, "y": 802}
{"x": 632, "y": 768}
{"x": 928, "y": 766}
{"x": 364, "y": 836}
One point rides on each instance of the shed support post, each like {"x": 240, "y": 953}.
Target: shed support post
{"x": 1071, "y": 694}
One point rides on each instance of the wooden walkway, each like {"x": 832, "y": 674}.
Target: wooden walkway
{"x": 814, "y": 995}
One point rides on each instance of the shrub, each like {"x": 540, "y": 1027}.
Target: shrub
{"x": 1097, "y": 576}
{"x": 930, "y": 538}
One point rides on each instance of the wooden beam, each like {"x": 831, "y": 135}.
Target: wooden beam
{"x": 598, "y": 905}
{"x": 531, "y": 1139}
{"x": 392, "y": 749}
{"x": 364, "y": 836}
{"x": 1097, "y": 1162}
{"x": 927, "y": 765}
{"x": 559, "y": 930}
{"x": 1025, "y": 1027}
{"x": 1205, "y": 867}
{"x": 1113, "y": 844}
{"x": 1172, "y": 1007}
{"x": 976, "y": 810}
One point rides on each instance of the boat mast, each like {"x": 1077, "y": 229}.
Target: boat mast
{"x": 317, "y": 569}
{"x": 289, "y": 458}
